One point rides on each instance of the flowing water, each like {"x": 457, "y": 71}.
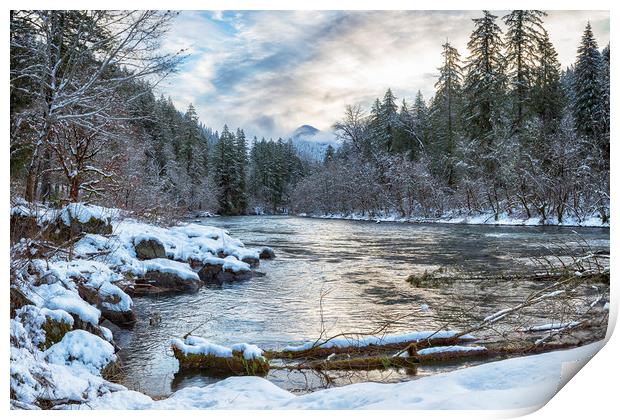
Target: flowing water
{"x": 340, "y": 276}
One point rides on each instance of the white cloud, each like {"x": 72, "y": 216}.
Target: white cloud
{"x": 272, "y": 71}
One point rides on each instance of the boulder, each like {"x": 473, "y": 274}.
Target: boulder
{"x": 107, "y": 301}
{"x": 55, "y": 330}
{"x": 78, "y": 218}
{"x": 18, "y": 300}
{"x": 169, "y": 282}
{"x": 252, "y": 261}
{"x": 148, "y": 249}
{"x": 120, "y": 318}
{"x": 217, "y": 272}
{"x": 266, "y": 253}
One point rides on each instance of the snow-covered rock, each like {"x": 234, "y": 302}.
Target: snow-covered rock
{"x": 220, "y": 270}
{"x": 83, "y": 349}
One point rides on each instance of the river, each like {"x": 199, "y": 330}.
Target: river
{"x": 340, "y": 276}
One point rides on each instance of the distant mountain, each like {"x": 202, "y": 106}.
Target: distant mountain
{"x": 311, "y": 143}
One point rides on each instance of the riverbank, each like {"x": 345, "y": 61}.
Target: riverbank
{"x": 479, "y": 219}
{"x": 74, "y": 271}
{"x": 523, "y": 383}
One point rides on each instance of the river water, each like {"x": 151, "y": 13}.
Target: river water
{"x": 341, "y": 276}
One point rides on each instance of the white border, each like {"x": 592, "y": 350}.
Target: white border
{"x": 591, "y": 394}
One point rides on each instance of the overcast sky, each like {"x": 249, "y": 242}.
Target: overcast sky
{"x": 272, "y": 71}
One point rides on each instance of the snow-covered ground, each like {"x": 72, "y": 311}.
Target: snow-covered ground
{"x": 524, "y": 383}
{"x": 480, "y": 219}
{"x": 59, "y": 350}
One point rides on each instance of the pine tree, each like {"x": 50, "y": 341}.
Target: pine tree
{"x": 587, "y": 86}
{"x": 605, "y": 97}
{"x": 241, "y": 160}
{"x": 446, "y": 110}
{"x": 485, "y": 82}
{"x": 522, "y": 39}
{"x": 224, "y": 170}
{"x": 384, "y": 121}
{"x": 547, "y": 93}
{"x": 420, "y": 116}
{"x": 329, "y": 155}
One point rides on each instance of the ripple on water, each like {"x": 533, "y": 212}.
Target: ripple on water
{"x": 362, "y": 266}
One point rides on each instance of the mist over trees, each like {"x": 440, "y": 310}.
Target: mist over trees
{"x": 508, "y": 132}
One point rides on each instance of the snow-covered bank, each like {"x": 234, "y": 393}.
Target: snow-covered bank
{"x": 480, "y": 219}
{"x": 63, "y": 288}
{"x": 518, "y": 383}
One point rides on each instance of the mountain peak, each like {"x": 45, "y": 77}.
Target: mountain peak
{"x": 305, "y": 131}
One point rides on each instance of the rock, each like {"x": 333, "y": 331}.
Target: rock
{"x": 208, "y": 273}
{"x": 214, "y": 273}
{"x": 18, "y": 300}
{"x": 78, "y": 218}
{"x": 55, "y": 330}
{"x": 106, "y": 304}
{"x": 169, "y": 282}
{"x": 147, "y": 249}
{"x": 267, "y": 253}
{"x": 252, "y": 261}
{"x": 123, "y": 319}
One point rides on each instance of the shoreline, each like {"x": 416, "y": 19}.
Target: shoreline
{"x": 479, "y": 220}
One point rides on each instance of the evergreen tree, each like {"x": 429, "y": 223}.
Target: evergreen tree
{"x": 547, "y": 93}
{"x": 524, "y": 31}
{"x": 485, "y": 83}
{"x": 385, "y": 121}
{"x": 446, "y": 111}
{"x": 224, "y": 160}
{"x": 587, "y": 86}
{"x": 329, "y": 155}
{"x": 605, "y": 96}
{"x": 239, "y": 186}
{"x": 420, "y": 117}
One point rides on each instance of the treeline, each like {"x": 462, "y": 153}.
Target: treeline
{"x": 507, "y": 132}
{"x": 87, "y": 126}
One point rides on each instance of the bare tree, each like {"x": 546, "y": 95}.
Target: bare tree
{"x": 78, "y": 62}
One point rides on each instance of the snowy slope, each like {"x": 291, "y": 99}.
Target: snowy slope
{"x": 311, "y": 143}
{"x": 523, "y": 383}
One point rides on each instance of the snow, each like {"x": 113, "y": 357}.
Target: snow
{"x": 179, "y": 269}
{"x": 229, "y": 263}
{"x": 517, "y": 383}
{"x": 62, "y": 292}
{"x": 199, "y": 345}
{"x": 70, "y": 370}
{"x": 448, "y": 349}
{"x": 341, "y": 342}
{"x": 250, "y": 351}
{"x": 554, "y": 326}
{"x": 84, "y": 212}
{"x": 196, "y": 345}
{"x": 184, "y": 243}
{"x": 30, "y": 320}
{"x": 456, "y": 218}
{"x": 81, "y": 348}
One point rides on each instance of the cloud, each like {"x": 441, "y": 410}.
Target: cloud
{"x": 272, "y": 71}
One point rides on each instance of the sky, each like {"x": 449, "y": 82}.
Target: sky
{"x": 269, "y": 72}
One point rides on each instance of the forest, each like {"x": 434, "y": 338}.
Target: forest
{"x": 508, "y": 132}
